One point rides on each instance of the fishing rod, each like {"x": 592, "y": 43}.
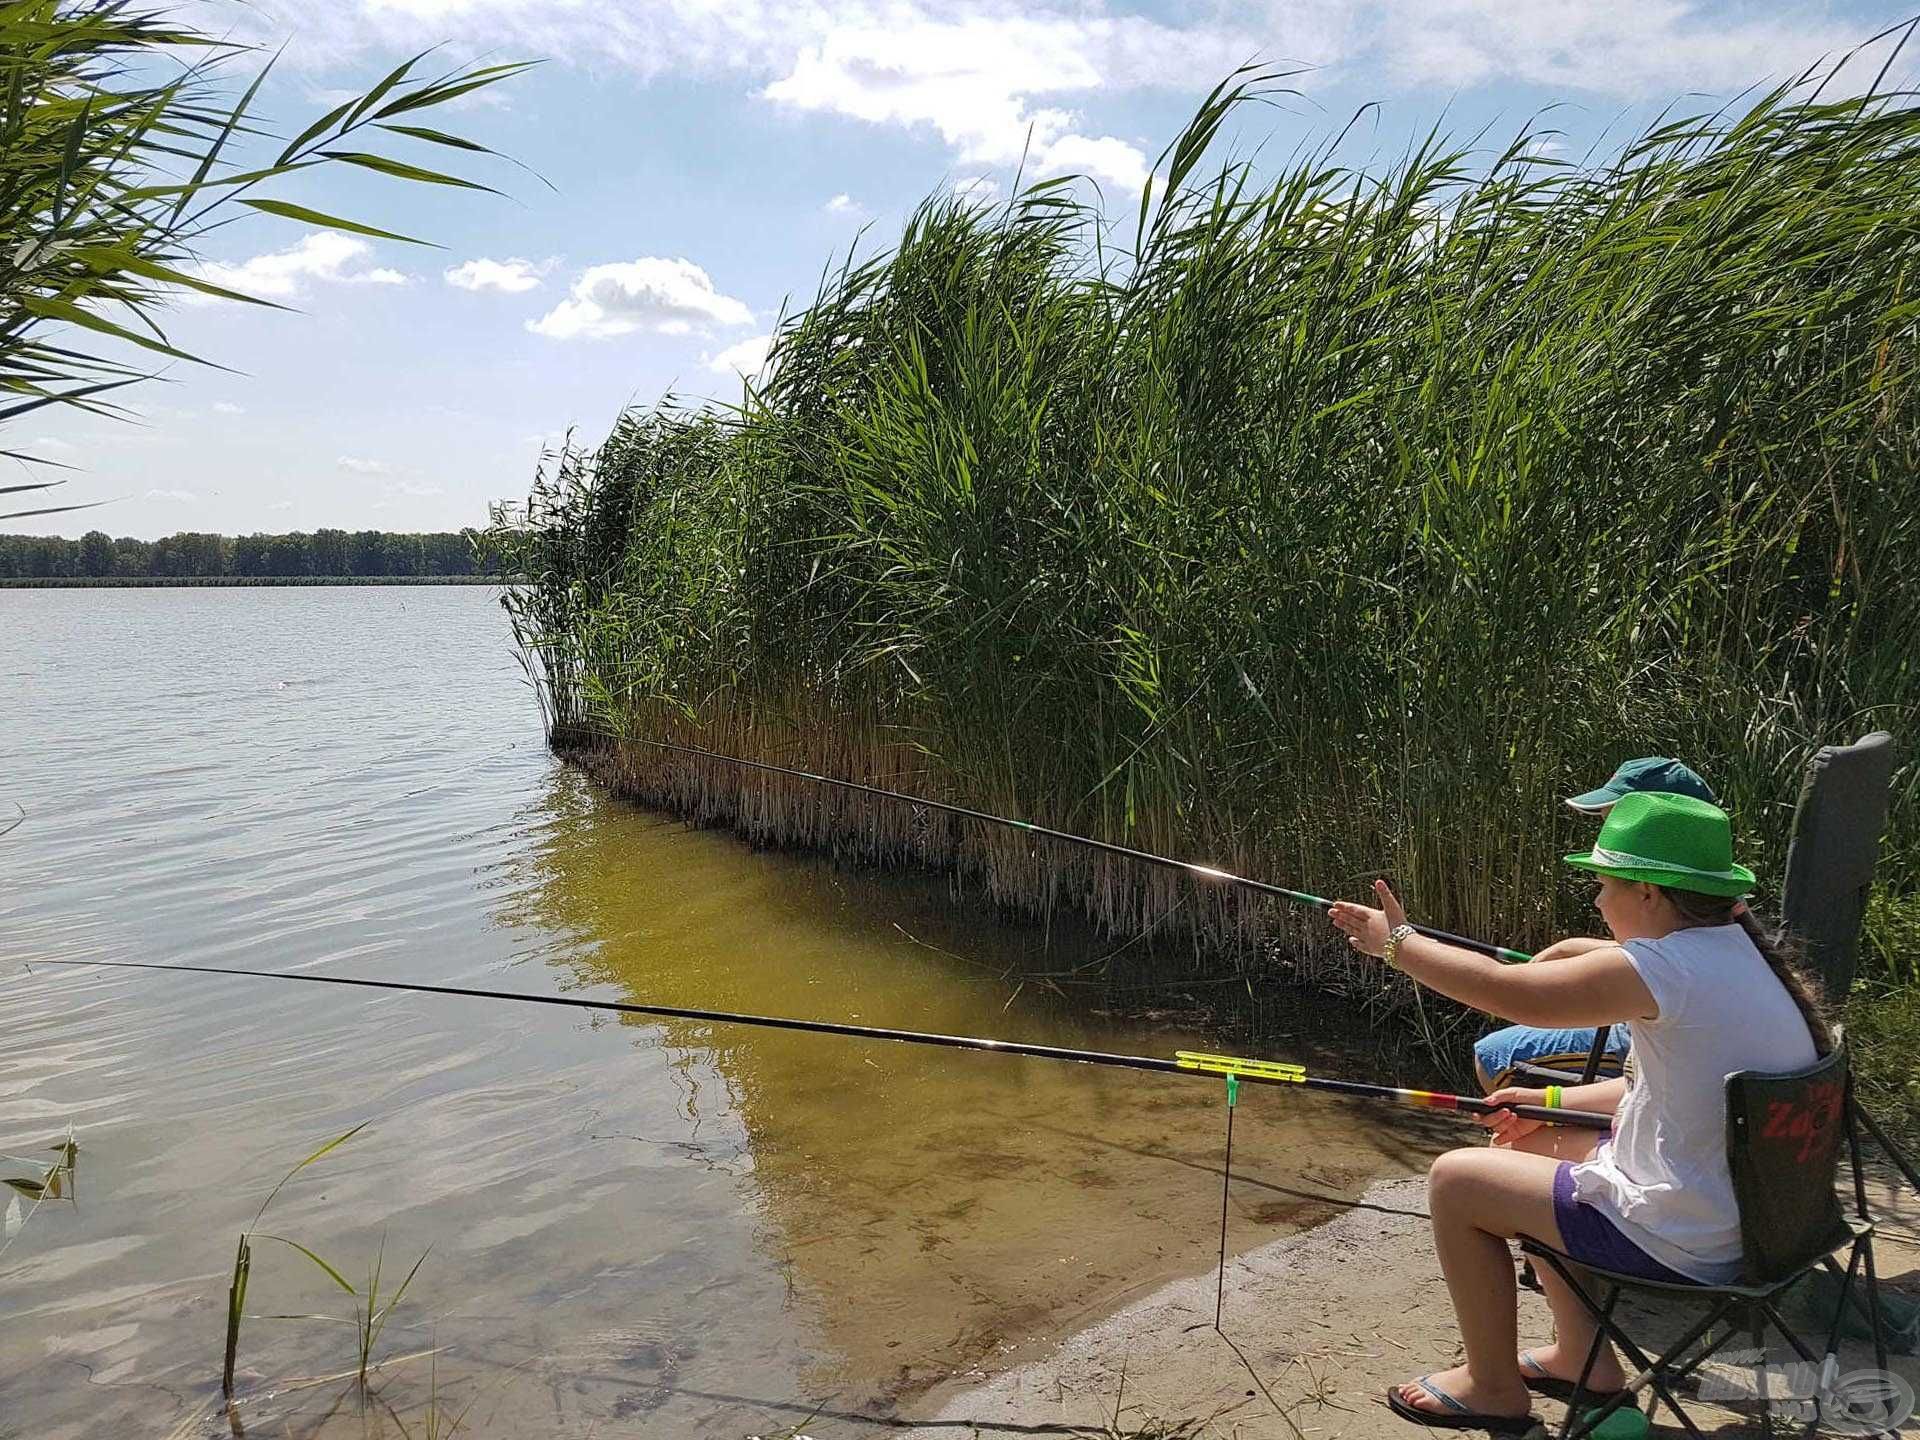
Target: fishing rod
{"x": 1184, "y": 1062}
{"x": 1145, "y": 857}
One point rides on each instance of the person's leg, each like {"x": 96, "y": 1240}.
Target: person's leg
{"x": 1496, "y": 1054}
{"x": 1493, "y": 1056}
{"x": 1562, "y": 1142}
{"x": 1573, "y": 1332}
{"x": 1573, "y": 1327}
{"x": 1479, "y": 1200}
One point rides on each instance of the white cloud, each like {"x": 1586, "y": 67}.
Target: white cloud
{"x": 227, "y": 407}
{"x": 844, "y": 204}
{"x": 53, "y": 445}
{"x": 671, "y": 297}
{"x": 977, "y": 189}
{"x": 1636, "y": 49}
{"x": 975, "y": 81}
{"x": 360, "y": 465}
{"x": 326, "y": 256}
{"x": 512, "y": 276}
{"x": 745, "y": 358}
{"x": 900, "y": 53}
{"x": 185, "y": 497}
{"x": 1112, "y": 162}
{"x": 985, "y": 77}
{"x": 407, "y": 490}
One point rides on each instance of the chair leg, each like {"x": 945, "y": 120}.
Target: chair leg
{"x": 1816, "y": 1365}
{"x": 1757, "y": 1332}
{"x": 1648, "y": 1371}
{"x": 1603, "y": 1316}
{"x": 1847, "y": 1277}
{"x": 1865, "y": 1246}
{"x": 1593, "y": 1351}
{"x": 1850, "y": 1296}
{"x": 1855, "y": 1116}
{"x": 1858, "y": 1114}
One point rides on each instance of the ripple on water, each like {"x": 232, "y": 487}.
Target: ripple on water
{"x": 635, "y": 1228}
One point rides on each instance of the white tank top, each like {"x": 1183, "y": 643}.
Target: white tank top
{"x": 1663, "y": 1178}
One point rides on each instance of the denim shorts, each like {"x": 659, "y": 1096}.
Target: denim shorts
{"x": 1499, "y": 1052}
{"x": 1591, "y": 1238}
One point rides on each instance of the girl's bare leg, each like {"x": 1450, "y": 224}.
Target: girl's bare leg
{"x": 1573, "y": 1327}
{"x": 1481, "y": 1198}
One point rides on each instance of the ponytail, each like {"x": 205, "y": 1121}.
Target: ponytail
{"x": 1775, "y": 946}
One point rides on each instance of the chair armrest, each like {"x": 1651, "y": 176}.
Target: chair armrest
{"x": 1540, "y": 1075}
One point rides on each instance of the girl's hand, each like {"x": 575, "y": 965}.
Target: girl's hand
{"x": 1367, "y": 929}
{"x": 1506, "y": 1126}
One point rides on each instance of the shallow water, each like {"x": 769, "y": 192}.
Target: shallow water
{"x": 634, "y": 1228}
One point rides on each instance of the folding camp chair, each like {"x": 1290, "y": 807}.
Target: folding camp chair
{"x": 1783, "y": 1148}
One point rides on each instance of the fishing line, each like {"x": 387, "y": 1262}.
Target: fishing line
{"x": 1226, "y": 1187}
{"x": 1145, "y": 857}
{"x": 1184, "y": 1062}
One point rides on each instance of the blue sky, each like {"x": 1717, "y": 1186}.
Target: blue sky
{"x": 707, "y": 159}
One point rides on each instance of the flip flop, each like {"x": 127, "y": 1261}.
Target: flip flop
{"x": 1553, "y": 1387}
{"x": 1456, "y": 1416}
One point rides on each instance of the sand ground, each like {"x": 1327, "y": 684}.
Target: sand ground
{"x": 1315, "y": 1327}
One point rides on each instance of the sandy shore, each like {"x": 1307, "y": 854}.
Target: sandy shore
{"x": 1315, "y": 1327}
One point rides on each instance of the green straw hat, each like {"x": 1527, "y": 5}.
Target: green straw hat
{"x": 1672, "y": 840}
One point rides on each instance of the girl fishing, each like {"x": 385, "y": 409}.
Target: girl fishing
{"x": 1708, "y": 993}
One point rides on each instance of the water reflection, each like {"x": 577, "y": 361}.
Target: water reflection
{"x": 935, "y": 1209}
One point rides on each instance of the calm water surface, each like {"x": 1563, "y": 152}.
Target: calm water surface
{"x": 634, "y": 1229}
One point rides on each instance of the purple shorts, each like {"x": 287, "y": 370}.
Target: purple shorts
{"x": 1590, "y": 1237}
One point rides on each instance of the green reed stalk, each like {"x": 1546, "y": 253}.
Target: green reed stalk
{"x": 243, "y": 1257}
{"x": 1327, "y": 523}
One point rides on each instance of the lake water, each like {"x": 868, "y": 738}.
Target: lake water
{"x": 631, "y": 1228}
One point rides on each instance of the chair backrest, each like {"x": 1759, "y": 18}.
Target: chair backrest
{"x": 1784, "y": 1134}
{"x": 1836, "y": 841}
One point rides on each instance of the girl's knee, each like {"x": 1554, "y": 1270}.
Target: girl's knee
{"x": 1452, "y": 1175}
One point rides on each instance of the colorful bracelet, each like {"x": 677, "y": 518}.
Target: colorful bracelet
{"x": 1554, "y": 1097}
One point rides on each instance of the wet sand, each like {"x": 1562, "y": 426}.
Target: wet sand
{"x": 1316, "y": 1327}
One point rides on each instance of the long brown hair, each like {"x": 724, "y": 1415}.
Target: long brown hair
{"x": 1777, "y": 948}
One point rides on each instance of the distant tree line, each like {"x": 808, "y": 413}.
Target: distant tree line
{"x": 190, "y": 554}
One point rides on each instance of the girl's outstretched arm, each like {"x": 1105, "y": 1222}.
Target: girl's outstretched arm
{"x": 1599, "y": 987}
{"x": 1566, "y": 949}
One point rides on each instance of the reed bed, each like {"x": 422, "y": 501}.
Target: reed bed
{"x": 1316, "y": 524}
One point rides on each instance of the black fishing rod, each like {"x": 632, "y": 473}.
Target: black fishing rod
{"x": 1145, "y": 857}
{"x": 1185, "y": 1062}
